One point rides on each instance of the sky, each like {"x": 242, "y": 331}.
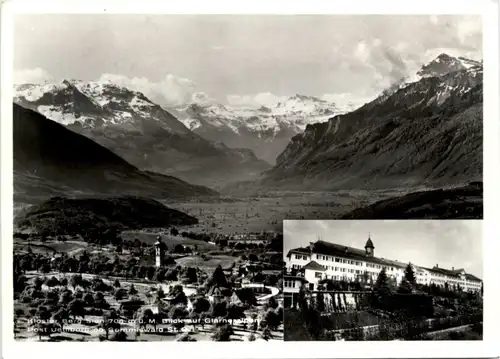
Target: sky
{"x": 448, "y": 243}
{"x": 238, "y": 59}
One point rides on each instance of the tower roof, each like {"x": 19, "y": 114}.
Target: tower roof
{"x": 369, "y": 243}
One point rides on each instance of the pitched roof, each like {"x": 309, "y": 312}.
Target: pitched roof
{"x": 313, "y": 265}
{"x": 342, "y": 251}
{"x": 472, "y": 277}
{"x": 300, "y": 250}
{"x": 217, "y": 291}
{"x": 452, "y": 273}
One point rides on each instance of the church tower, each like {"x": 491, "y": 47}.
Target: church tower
{"x": 369, "y": 248}
{"x": 159, "y": 251}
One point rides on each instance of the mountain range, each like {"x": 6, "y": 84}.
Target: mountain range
{"x": 426, "y": 130}
{"x": 50, "y": 159}
{"x": 140, "y": 131}
{"x": 266, "y": 130}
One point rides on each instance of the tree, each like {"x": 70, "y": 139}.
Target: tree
{"x": 179, "y": 248}
{"x": 148, "y": 317}
{"x": 171, "y": 275}
{"x": 160, "y": 294}
{"x": 405, "y": 287}
{"x": 218, "y": 277}
{"x": 120, "y": 293}
{"x": 160, "y": 275}
{"x": 266, "y": 334}
{"x": 174, "y": 231}
{"x": 234, "y": 312}
{"x": 223, "y": 333}
{"x": 65, "y": 297}
{"x": 77, "y": 308}
{"x": 381, "y": 289}
{"x": 52, "y": 282}
{"x": 219, "y": 309}
{"x": 192, "y": 275}
{"x": 88, "y": 298}
{"x": 272, "y": 303}
{"x": 320, "y": 302}
{"x": 201, "y": 305}
{"x": 132, "y": 290}
{"x": 43, "y": 313}
{"x": 76, "y": 280}
{"x": 273, "y": 319}
{"x": 180, "y": 298}
{"x": 410, "y": 275}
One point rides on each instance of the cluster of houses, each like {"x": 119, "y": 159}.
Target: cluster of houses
{"x": 325, "y": 260}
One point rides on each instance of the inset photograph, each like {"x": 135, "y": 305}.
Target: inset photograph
{"x": 360, "y": 280}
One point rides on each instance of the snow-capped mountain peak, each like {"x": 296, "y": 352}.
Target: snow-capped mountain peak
{"x": 442, "y": 65}
{"x": 93, "y": 104}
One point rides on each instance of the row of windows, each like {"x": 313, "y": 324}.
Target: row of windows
{"x": 301, "y": 257}
{"x": 352, "y": 262}
{"x": 289, "y": 283}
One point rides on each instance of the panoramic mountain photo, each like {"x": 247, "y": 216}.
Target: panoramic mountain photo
{"x": 156, "y": 157}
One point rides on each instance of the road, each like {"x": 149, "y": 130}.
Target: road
{"x": 265, "y": 297}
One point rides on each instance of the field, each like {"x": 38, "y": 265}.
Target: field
{"x": 170, "y": 241}
{"x": 266, "y": 212}
{"x": 206, "y": 265}
{"x": 48, "y": 247}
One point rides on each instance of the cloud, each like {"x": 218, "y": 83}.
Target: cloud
{"x": 32, "y": 76}
{"x": 349, "y": 101}
{"x": 171, "y": 90}
{"x": 471, "y": 26}
{"x": 362, "y": 52}
{"x": 257, "y": 100}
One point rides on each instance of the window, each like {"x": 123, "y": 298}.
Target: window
{"x": 338, "y": 260}
{"x": 317, "y": 274}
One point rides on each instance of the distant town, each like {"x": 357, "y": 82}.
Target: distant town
{"x": 143, "y": 286}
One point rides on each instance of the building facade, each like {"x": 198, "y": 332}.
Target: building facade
{"x": 324, "y": 260}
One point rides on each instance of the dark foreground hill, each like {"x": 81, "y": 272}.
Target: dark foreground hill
{"x": 456, "y": 203}
{"x": 51, "y": 160}
{"x": 59, "y": 215}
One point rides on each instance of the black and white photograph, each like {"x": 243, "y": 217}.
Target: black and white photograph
{"x": 194, "y": 177}
{"x": 404, "y": 280}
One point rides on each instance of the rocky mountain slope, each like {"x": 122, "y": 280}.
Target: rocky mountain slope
{"x": 51, "y": 160}
{"x": 264, "y": 130}
{"x": 140, "y": 131}
{"x": 425, "y": 131}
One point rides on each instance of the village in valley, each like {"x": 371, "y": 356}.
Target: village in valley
{"x": 154, "y": 285}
